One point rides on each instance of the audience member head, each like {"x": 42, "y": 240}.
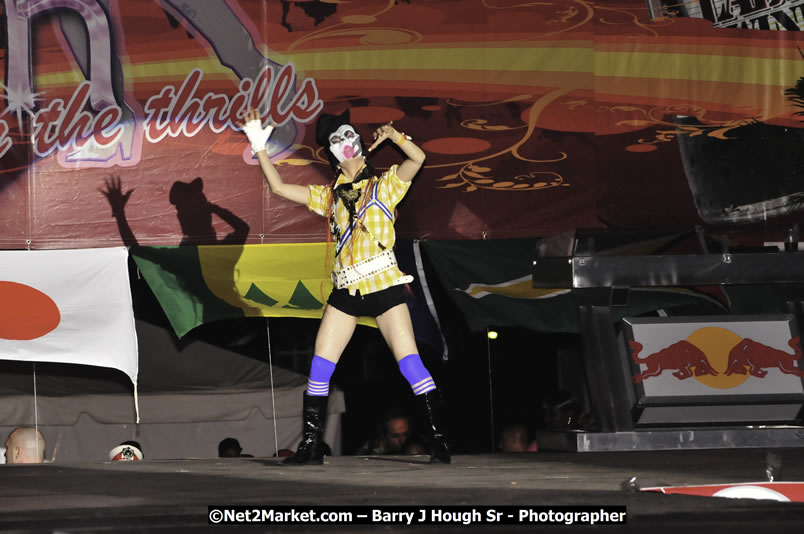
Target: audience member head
{"x": 396, "y": 432}
{"x": 229, "y": 448}
{"x": 25, "y": 445}
{"x": 127, "y": 451}
{"x": 416, "y": 448}
{"x": 514, "y": 438}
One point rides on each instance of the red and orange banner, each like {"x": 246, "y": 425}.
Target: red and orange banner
{"x": 535, "y": 117}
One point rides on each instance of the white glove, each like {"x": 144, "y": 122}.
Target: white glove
{"x": 257, "y": 135}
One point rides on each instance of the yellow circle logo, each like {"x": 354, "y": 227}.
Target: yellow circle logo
{"x": 716, "y": 343}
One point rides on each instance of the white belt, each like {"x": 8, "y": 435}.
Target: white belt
{"x": 364, "y": 269}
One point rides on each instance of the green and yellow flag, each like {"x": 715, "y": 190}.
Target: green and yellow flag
{"x": 198, "y": 284}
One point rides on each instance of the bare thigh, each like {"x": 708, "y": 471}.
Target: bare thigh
{"x": 397, "y": 329}
{"x": 334, "y": 333}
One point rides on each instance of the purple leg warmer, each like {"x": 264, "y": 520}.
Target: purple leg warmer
{"x": 321, "y": 371}
{"x": 416, "y": 374}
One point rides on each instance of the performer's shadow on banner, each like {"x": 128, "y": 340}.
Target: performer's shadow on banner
{"x": 182, "y": 265}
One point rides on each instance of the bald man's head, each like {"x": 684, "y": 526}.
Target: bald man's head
{"x": 25, "y": 445}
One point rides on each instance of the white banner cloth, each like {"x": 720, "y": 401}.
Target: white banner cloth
{"x": 68, "y": 306}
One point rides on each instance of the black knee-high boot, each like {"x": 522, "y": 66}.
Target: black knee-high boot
{"x": 312, "y": 448}
{"x": 430, "y": 404}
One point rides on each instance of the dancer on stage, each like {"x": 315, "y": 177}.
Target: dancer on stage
{"x": 360, "y": 207}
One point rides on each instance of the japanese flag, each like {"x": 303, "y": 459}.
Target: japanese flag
{"x": 68, "y": 306}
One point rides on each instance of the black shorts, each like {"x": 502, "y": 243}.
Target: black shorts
{"x": 371, "y": 305}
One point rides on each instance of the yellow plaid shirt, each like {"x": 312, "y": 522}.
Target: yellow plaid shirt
{"x": 378, "y": 219}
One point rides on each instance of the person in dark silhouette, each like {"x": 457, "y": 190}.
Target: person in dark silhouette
{"x": 416, "y": 448}
{"x": 195, "y": 214}
{"x": 230, "y": 448}
{"x": 393, "y": 437}
{"x": 193, "y": 210}
{"x": 514, "y": 438}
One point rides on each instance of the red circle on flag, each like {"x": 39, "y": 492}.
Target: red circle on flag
{"x": 26, "y": 313}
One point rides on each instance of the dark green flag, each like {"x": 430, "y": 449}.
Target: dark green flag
{"x": 491, "y": 283}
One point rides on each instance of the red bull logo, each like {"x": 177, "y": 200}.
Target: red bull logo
{"x": 716, "y": 357}
{"x": 749, "y": 357}
{"x": 684, "y": 357}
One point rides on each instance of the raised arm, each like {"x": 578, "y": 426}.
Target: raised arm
{"x": 415, "y": 155}
{"x": 117, "y": 200}
{"x": 258, "y": 136}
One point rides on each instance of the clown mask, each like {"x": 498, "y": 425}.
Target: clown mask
{"x": 344, "y": 143}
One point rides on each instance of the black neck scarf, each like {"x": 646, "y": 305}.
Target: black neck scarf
{"x": 349, "y": 195}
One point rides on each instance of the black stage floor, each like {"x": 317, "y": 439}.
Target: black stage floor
{"x": 173, "y": 496}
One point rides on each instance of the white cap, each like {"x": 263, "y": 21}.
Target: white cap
{"x": 125, "y": 453}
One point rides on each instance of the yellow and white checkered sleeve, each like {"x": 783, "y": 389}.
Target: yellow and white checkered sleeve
{"x": 319, "y": 199}
{"x": 392, "y": 188}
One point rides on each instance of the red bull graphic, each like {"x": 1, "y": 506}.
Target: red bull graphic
{"x": 718, "y": 358}
{"x": 749, "y": 357}
{"x": 683, "y": 356}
